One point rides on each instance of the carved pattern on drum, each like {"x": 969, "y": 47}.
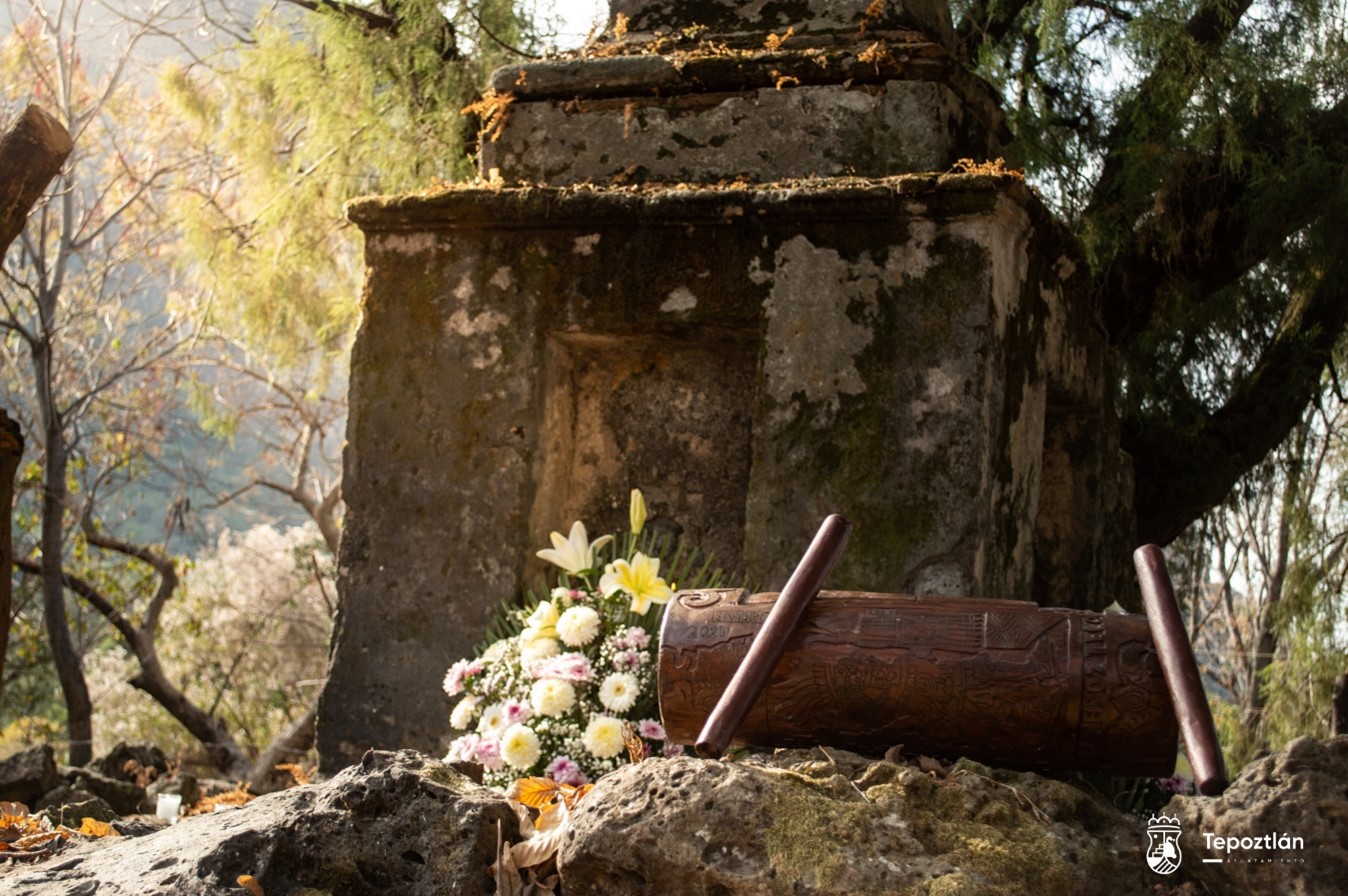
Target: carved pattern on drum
{"x": 700, "y": 599}
{"x": 1009, "y": 684}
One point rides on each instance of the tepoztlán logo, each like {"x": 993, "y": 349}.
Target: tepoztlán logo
{"x": 1163, "y": 849}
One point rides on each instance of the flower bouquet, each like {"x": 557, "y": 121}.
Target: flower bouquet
{"x": 568, "y": 689}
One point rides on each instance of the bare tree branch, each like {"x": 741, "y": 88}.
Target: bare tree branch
{"x": 368, "y": 17}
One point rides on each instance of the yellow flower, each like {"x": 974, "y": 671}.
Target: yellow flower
{"x": 551, "y": 697}
{"x": 636, "y": 513}
{"x": 640, "y": 578}
{"x": 603, "y": 737}
{"x": 575, "y": 553}
{"x": 519, "y": 746}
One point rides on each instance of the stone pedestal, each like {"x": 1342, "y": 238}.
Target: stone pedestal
{"x": 742, "y": 277}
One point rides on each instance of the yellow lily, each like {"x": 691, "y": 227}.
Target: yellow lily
{"x": 640, "y": 578}
{"x": 636, "y": 513}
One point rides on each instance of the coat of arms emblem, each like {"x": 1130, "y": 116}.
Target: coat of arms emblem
{"x": 1163, "y": 849}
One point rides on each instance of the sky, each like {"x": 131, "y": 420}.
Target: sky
{"x": 576, "y": 17}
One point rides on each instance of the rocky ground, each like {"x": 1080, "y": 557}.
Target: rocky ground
{"x": 796, "y": 822}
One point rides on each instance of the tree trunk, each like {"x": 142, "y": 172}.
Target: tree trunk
{"x": 31, "y": 154}
{"x": 79, "y": 710}
{"x": 288, "y": 746}
{"x": 1339, "y": 721}
{"x": 11, "y": 452}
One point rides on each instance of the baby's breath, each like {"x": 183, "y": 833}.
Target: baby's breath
{"x": 567, "y": 708}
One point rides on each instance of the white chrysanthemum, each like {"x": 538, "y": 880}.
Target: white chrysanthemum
{"x": 578, "y": 626}
{"x": 619, "y": 691}
{"x": 538, "y": 650}
{"x": 603, "y": 737}
{"x": 550, "y": 697}
{"x": 464, "y": 713}
{"x": 493, "y": 720}
{"x": 519, "y": 746}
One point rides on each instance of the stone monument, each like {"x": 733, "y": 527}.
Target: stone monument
{"x": 728, "y": 254}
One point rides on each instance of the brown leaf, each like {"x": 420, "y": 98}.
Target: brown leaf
{"x": 636, "y": 747}
{"x": 249, "y": 883}
{"x": 540, "y": 884}
{"x": 299, "y": 773}
{"x": 535, "y": 792}
{"x": 573, "y": 795}
{"x": 92, "y": 827}
{"x": 538, "y": 848}
{"x": 931, "y": 766}
{"x": 508, "y": 880}
{"x": 33, "y": 841}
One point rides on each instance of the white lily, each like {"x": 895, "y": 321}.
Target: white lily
{"x": 575, "y": 553}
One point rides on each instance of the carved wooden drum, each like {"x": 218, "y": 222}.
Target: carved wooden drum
{"x": 1003, "y": 682}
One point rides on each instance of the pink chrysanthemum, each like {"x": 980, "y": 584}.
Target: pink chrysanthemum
{"x": 564, "y": 667}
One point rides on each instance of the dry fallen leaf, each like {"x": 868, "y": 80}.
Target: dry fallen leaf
{"x": 301, "y": 774}
{"x": 554, "y": 802}
{"x": 636, "y": 747}
{"x": 237, "y": 797}
{"x": 931, "y": 766}
{"x": 92, "y": 827}
{"x": 249, "y": 883}
{"x": 508, "y": 880}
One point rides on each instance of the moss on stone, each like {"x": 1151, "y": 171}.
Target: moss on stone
{"x": 441, "y": 774}
{"x": 806, "y": 832}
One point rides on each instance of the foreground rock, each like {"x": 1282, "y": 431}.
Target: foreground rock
{"x": 1300, "y": 791}
{"x": 397, "y": 823}
{"x": 28, "y": 774}
{"x": 797, "y": 822}
{"x": 831, "y": 822}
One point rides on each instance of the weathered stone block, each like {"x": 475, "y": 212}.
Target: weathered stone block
{"x": 914, "y": 352}
{"x": 824, "y": 131}
{"x": 754, "y": 359}
{"x": 1297, "y": 791}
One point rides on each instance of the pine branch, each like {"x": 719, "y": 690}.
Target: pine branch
{"x": 986, "y": 22}
{"x": 1123, "y": 191}
{"x": 1221, "y": 220}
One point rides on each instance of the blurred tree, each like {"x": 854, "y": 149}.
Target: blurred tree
{"x": 77, "y": 310}
{"x": 1263, "y": 583}
{"x": 283, "y": 128}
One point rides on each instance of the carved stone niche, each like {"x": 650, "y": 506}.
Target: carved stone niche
{"x": 746, "y": 281}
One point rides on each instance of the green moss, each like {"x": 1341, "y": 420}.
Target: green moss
{"x": 807, "y": 832}
{"x": 447, "y": 777}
